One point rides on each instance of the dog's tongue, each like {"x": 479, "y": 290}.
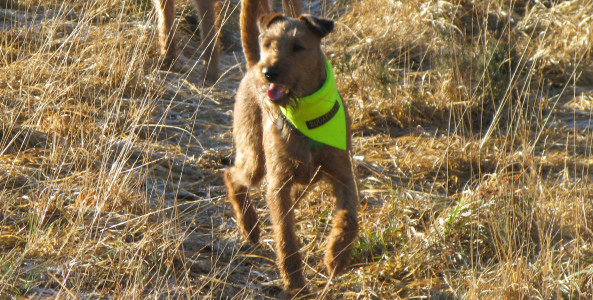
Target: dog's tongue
{"x": 276, "y": 92}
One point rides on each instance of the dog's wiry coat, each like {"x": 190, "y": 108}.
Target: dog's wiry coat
{"x": 285, "y": 60}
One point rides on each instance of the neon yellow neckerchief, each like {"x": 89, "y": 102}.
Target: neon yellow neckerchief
{"x": 320, "y": 116}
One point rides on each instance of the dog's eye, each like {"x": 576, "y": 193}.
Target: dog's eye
{"x": 297, "y": 48}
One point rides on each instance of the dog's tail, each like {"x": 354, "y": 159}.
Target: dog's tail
{"x": 250, "y": 12}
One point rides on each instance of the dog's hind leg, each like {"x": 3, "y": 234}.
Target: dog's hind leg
{"x": 345, "y": 224}
{"x": 237, "y": 183}
{"x": 209, "y": 27}
{"x": 248, "y": 169}
{"x": 238, "y": 180}
{"x": 165, "y": 10}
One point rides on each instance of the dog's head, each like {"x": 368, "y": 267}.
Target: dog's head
{"x": 291, "y": 64}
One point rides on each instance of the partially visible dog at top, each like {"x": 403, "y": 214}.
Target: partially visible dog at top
{"x": 209, "y": 35}
{"x": 291, "y": 127}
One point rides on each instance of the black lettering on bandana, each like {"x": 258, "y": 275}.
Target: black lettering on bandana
{"x": 317, "y": 122}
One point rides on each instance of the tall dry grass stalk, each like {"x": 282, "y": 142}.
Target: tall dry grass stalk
{"x": 472, "y": 145}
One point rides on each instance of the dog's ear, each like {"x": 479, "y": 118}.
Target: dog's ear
{"x": 321, "y": 27}
{"x": 266, "y": 20}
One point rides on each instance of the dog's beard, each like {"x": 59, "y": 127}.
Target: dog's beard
{"x": 272, "y": 110}
{"x": 293, "y": 97}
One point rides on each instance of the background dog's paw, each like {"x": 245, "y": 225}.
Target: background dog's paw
{"x": 210, "y": 74}
{"x": 196, "y": 72}
{"x": 177, "y": 64}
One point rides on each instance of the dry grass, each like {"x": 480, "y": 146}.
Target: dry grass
{"x": 473, "y": 147}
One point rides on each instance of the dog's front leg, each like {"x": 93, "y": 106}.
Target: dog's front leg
{"x": 284, "y": 163}
{"x": 287, "y": 245}
{"x": 345, "y": 224}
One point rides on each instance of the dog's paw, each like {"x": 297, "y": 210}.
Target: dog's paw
{"x": 210, "y": 73}
{"x": 339, "y": 246}
{"x": 177, "y": 64}
{"x": 250, "y": 225}
{"x": 297, "y": 294}
{"x": 337, "y": 261}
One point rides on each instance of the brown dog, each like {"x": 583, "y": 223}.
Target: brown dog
{"x": 209, "y": 26}
{"x": 289, "y": 66}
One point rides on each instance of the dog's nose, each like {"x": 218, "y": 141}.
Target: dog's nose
{"x": 271, "y": 73}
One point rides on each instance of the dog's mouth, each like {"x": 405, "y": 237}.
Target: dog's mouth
{"x": 277, "y": 92}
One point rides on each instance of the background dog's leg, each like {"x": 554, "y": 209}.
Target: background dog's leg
{"x": 292, "y": 8}
{"x": 287, "y": 246}
{"x": 165, "y": 10}
{"x": 345, "y": 224}
{"x": 209, "y": 28}
{"x": 238, "y": 195}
